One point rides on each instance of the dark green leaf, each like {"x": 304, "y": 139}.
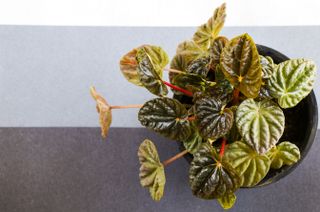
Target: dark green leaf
{"x": 209, "y": 177}
{"x": 193, "y": 143}
{"x": 213, "y": 120}
{"x": 292, "y": 81}
{"x": 148, "y": 74}
{"x": 216, "y": 49}
{"x": 167, "y": 117}
{"x": 200, "y": 66}
{"x": 261, "y": 124}
{"x": 233, "y": 135}
{"x": 227, "y": 201}
{"x": 193, "y": 81}
{"x": 240, "y": 64}
{"x": 210, "y": 30}
{"x": 251, "y": 166}
{"x": 285, "y": 153}
{"x": 152, "y": 174}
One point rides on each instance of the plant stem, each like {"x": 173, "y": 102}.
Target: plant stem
{"x": 223, "y": 146}
{"x": 191, "y": 118}
{"x": 173, "y": 70}
{"x": 188, "y": 93}
{"x": 177, "y": 156}
{"x": 235, "y": 99}
{"x": 126, "y": 106}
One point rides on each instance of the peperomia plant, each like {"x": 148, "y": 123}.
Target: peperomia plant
{"x": 227, "y": 110}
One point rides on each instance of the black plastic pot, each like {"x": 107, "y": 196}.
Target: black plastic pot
{"x": 300, "y": 128}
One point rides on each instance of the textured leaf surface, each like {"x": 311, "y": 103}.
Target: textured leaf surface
{"x": 240, "y": 64}
{"x": 251, "y": 166}
{"x": 200, "y": 66}
{"x": 191, "y": 82}
{"x": 213, "y": 120}
{"x": 261, "y": 124}
{"x": 167, "y": 117}
{"x": 209, "y": 178}
{"x": 210, "y": 30}
{"x": 193, "y": 143}
{"x": 151, "y": 174}
{"x": 292, "y": 81}
{"x": 267, "y": 66}
{"x": 104, "y": 110}
{"x": 227, "y": 201}
{"x": 216, "y": 49}
{"x": 148, "y": 74}
{"x": 129, "y": 64}
{"x": 233, "y": 135}
{"x": 285, "y": 153}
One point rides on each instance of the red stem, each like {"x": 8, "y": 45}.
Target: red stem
{"x": 235, "y": 96}
{"x": 223, "y": 146}
{"x": 188, "y": 93}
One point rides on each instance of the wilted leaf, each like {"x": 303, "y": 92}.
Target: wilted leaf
{"x": 200, "y": 66}
{"x": 227, "y": 201}
{"x": 292, "y": 81}
{"x": 216, "y": 49}
{"x": 210, "y": 178}
{"x": 151, "y": 174}
{"x": 240, "y": 64}
{"x": 267, "y": 66}
{"x": 104, "y": 110}
{"x": 251, "y": 166}
{"x": 213, "y": 120}
{"x": 167, "y": 117}
{"x": 261, "y": 124}
{"x": 210, "y": 30}
{"x": 285, "y": 153}
{"x": 129, "y": 64}
{"x": 148, "y": 74}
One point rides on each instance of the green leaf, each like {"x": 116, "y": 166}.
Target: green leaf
{"x": 285, "y": 153}
{"x": 208, "y": 177}
{"x": 213, "y": 120}
{"x": 191, "y": 51}
{"x": 104, "y": 110}
{"x": 251, "y": 166}
{"x": 193, "y": 143}
{"x": 227, "y": 201}
{"x": 148, "y": 74}
{"x": 193, "y": 81}
{"x": 129, "y": 64}
{"x": 152, "y": 174}
{"x": 261, "y": 124}
{"x": 200, "y": 66}
{"x": 216, "y": 49}
{"x": 167, "y": 117}
{"x": 267, "y": 66}
{"x": 210, "y": 30}
{"x": 292, "y": 81}
{"x": 240, "y": 64}
{"x": 187, "y": 52}
{"x": 233, "y": 134}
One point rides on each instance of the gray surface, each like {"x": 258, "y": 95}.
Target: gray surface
{"x": 73, "y": 170}
{"x": 45, "y": 72}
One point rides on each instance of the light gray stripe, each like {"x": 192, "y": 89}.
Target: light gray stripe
{"x": 45, "y": 72}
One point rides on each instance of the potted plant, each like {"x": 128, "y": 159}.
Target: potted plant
{"x": 235, "y": 111}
